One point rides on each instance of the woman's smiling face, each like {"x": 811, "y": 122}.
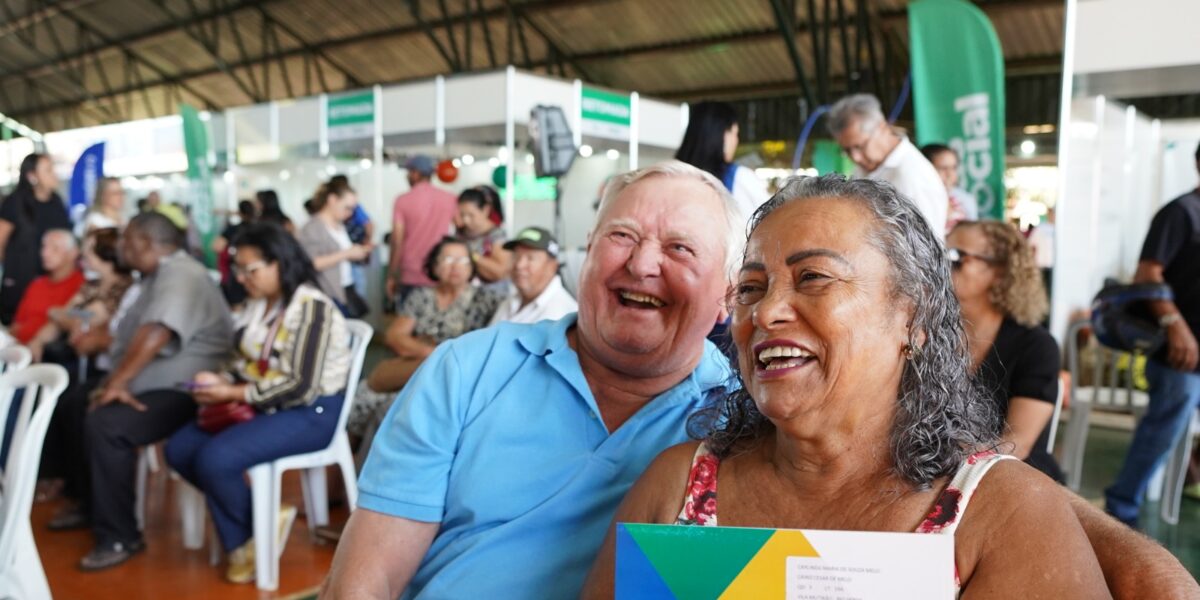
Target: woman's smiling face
{"x": 815, "y": 320}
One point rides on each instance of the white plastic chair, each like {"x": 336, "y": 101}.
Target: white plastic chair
{"x": 1058, "y": 406}
{"x": 1175, "y": 471}
{"x": 1104, "y": 393}
{"x": 12, "y": 358}
{"x": 265, "y": 479}
{"x": 21, "y": 573}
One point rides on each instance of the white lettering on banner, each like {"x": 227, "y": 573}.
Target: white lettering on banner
{"x": 351, "y": 110}
{"x": 976, "y": 149}
{"x": 595, "y": 105}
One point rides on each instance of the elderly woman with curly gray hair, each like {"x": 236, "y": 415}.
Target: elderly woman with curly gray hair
{"x": 856, "y": 408}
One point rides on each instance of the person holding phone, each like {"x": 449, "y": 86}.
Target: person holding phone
{"x": 292, "y": 357}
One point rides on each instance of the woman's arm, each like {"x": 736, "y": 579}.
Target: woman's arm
{"x": 329, "y": 261}
{"x": 1020, "y": 539}
{"x": 655, "y": 498}
{"x": 44, "y": 336}
{"x": 1134, "y": 565}
{"x": 6, "y": 229}
{"x": 400, "y": 339}
{"x": 494, "y": 267}
{"x": 1026, "y": 419}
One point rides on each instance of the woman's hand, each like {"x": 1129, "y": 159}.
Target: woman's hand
{"x": 358, "y": 252}
{"x": 211, "y": 388}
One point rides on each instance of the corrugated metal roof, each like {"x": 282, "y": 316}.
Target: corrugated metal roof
{"x": 683, "y": 48}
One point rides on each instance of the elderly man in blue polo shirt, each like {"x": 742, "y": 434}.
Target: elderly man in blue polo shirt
{"x": 501, "y": 463}
{"x": 515, "y": 444}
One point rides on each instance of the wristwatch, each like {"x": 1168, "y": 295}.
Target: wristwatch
{"x": 1168, "y": 319}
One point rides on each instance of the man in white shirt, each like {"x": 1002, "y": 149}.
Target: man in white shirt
{"x": 881, "y": 153}
{"x": 539, "y": 293}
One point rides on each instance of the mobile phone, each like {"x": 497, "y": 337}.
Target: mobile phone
{"x": 79, "y": 313}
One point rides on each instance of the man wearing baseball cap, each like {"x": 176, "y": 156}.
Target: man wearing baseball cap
{"x": 538, "y": 292}
{"x": 420, "y": 217}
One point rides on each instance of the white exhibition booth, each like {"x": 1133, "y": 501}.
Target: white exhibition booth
{"x": 1118, "y": 166}
{"x": 479, "y": 121}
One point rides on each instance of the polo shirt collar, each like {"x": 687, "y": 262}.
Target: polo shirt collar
{"x": 711, "y": 376}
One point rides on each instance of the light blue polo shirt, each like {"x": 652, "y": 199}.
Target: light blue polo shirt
{"x": 499, "y": 439}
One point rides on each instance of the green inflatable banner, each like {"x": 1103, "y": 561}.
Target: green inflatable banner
{"x": 199, "y": 174}
{"x": 958, "y": 93}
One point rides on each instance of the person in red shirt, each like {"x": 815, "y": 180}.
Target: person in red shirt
{"x": 60, "y": 260}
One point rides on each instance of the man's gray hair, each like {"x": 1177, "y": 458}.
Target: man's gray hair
{"x": 856, "y": 109}
{"x": 942, "y": 416}
{"x": 735, "y": 221}
{"x": 66, "y": 238}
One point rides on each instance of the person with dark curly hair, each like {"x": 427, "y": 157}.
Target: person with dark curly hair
{"x": 856, "y": 409}
{"x": 1015, "y": 359}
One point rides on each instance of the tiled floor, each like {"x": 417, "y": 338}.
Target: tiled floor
{"x": 167, "y": 570}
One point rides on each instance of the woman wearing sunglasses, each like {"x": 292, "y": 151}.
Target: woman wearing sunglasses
{"x": 1014, "y": 358}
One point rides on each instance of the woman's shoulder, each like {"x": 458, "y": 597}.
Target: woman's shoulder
{"x": 1026, "y": 333}
{"x": 308, "y": 293}
{"x": 1018, "y": 521}
{"x": 662, "y": 486}
{"x": 1034, "y": 342}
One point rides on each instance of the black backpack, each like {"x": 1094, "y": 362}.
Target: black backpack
{"x": 1121, "y": 317}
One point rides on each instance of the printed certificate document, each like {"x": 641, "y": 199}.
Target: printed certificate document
{"x": 691, "y": 563}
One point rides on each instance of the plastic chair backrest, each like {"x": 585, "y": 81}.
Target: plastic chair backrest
{"x": 1054, "y": 417}
{"x": 1105, "y": 381}
{"x": 360, "y": 337}
{"x": 42, "y": 385}
{"x": 12, "y": 358}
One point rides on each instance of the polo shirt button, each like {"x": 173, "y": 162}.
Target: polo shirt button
{"x": 320, "y": 409}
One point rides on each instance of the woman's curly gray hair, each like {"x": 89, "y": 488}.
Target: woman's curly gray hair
{"x": 943, "y": 417}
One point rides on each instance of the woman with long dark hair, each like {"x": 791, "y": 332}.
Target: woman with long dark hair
{"x": 292, "y": 356}
{"x": 269, "y": 210}
{"x": 32, "y": 209}
{"x": 493, "y": 264}
{"x": 710, "y": 142}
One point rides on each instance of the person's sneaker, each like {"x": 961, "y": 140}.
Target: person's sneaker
{"x": 241, "y": 564}
{"x": 71, "y": 516}
{"x": 105, "y": 556}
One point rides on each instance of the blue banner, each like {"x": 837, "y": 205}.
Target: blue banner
{"x": 88, "y": 170}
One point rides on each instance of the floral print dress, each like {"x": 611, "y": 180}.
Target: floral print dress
{"x": 700, "y": 498}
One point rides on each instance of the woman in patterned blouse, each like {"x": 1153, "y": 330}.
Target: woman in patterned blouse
{"x": 292, "y": 358}
{"x": 430, "y": 316}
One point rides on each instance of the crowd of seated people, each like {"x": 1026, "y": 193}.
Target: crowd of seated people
{"x": 515, "y": 417}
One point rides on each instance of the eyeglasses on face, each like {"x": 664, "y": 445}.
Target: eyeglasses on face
{"x": 248, "y": 270}
{"x": 455, "y": 260}
{"x": 958, "y": 257}
{"x": 861, "y": 147}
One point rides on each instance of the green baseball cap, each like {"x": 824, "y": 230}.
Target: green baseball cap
{"x": 536, "y": 238}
